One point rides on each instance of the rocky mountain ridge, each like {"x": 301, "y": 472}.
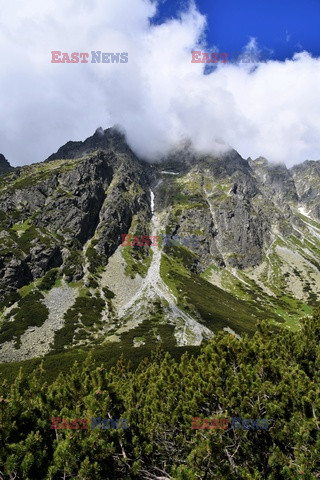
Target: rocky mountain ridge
{"x": 257, "y": 255}
{"x": 5, "y": 166}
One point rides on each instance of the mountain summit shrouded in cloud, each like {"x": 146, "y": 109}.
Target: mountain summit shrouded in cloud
{"x": 159, "y": 97}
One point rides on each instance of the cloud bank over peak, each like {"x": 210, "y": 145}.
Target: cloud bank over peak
{"x": 159, "y": 97}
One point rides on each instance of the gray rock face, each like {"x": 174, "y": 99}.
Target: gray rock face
{"x": 78, "y": 196}
{"x": 71, "y": 210}
{"x": 4, "y": 165}
{"x": 50, "y": 211}
{"x": 231, "y": 225}
{"x": 257, "y": 241}
{"x": 307, "y": 180}
{"x": 275, "y": 180}
{"x": 107, "y": 140}
{"x": 241, "y": 205}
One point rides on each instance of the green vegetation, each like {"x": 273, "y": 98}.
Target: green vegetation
{"x": 108, "y": 353}
{"x": 49, "y": 280}
{"x": 270, "y": 376}
{"x": 24, "y": 291}
{"x": 183, "y": 193}
{"x": 21, "y": 227}
{"x": 73, "y": 261}
{"x": 308, "y": 220}
{"x": 271, "y": 286}
{"x": 30, "y": 312}
{"x": 25, "y": 241}
{"x": 138, "y": 260}
{"x": 216, "y": 307}
{"x": 95, "y": 259}
{"x": 153, "y": 333}
{"x": 3, "y": 216}
{"x": 22, "y": 240}
{"x": 108, "y": 293}
{"x": 9, "y": 300}
{"x": 31, "y": 175}
{"x": 82, "y": 316}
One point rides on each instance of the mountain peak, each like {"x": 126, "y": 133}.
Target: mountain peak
{"x": 4, "y": 165}
{"x": 108, "y": 139}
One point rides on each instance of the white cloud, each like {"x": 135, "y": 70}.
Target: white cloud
{"x": 159, "y": 96}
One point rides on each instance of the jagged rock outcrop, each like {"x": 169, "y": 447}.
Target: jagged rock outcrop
{"x": 275, "y": 180}
{"x": 107, "y": 140}
{"x": 307, "y": 181}
{"x": 4, "y": 165}
{"x": 49, "y": 211}
{"x": 232, "y": 229}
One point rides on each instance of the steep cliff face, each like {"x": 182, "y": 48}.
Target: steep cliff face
{"x": 256, "y": 254}
{"x": 50, "y": 211}
{"x": 232, "y": 205}
{"x": 275, "y": 180}
{"x": 5, "y": 166}
{"x": 307, "y": 180}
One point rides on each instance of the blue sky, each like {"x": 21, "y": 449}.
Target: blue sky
{"x": 281, "y": 27}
